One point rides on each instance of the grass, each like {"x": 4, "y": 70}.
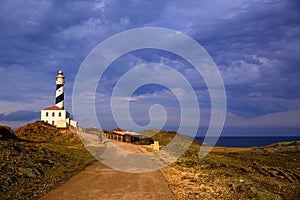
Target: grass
{"x": 237, "y": 173}
{"x": 56, "y": 155}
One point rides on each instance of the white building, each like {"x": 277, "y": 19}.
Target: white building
{"x": 54, "y": 114}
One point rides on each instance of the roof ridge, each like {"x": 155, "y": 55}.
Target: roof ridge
{"x": 53, "y": 108}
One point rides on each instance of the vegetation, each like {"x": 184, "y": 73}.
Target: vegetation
{"x": 271, "y": 172}
{"x": 38, "y": 157}
{"x": 6, "y": 133}
{"x": 144, "y": 141}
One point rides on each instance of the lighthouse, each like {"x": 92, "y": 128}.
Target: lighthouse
{"x": 59, "y": 97}
{"x": 57, "y": 115}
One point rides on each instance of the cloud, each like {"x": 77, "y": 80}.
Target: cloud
{"x": 138, "y": 13}
{"x": 289, "y": 118}
{"x": 254, "y": 44}
{"x": 240, "y": 72}
{"x": 254, "y": 104}
{"x": 21, "y": 115}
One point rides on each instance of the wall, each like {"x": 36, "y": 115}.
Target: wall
{"x": 53, "y": 119}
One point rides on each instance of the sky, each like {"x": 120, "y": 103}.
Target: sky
{"x": 255, "y": 45}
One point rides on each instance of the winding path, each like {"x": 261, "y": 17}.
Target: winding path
{"x": 101, "y": 182}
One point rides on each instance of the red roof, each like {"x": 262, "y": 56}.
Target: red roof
{"x": 53, "y": 108}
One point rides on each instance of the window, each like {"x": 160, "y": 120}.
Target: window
{"x": 53, "y": 114}
{"x": 52, "y": 122}
{"x": 46, "y": 114}
{"x": 59, "y": 114}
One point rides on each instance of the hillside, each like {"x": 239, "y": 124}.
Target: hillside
{"x": 267, "y": 173}
{"x": 42, "y": 132}
{"x": 6, "y": 133}
{"x": 36, "y": 158}
{"x": 164, "y": 137}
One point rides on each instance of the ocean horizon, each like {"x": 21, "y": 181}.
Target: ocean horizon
{"x": 250, "y": 137}
{"x": 248, "y": 141}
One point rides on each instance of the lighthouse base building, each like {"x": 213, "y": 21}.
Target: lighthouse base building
{"x": 57, "y": 115}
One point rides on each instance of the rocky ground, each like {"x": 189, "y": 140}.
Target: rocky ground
{"x": 36, "y": 158}
{"x": 271, "y": 172}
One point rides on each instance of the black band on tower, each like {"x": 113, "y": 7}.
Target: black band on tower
{"x": 59, "y": 98}
{"x": 59, "y": 86}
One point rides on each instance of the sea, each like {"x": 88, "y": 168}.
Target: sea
{"x": 249, "y": 141}
{"x": 250, "y": 137}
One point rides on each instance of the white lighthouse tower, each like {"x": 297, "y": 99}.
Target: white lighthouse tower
{"x": 57, "y": 115}
{"x": 59, "y": 97}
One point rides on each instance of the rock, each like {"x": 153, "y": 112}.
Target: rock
{"x": 264, "y": 194}
{"x": 37, "y": 172}
{"x": 27, "y": 172}
{"x": 9, "y": 181}
{"x": 247, "y": 182}
{"x": 285, "y": 175}
{"x": 232, "y": 187}
{"x": 19, "y": 173}
{"x": 48, "y": 162}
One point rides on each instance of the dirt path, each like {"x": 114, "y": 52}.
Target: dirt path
{"x": 101, "y": 182}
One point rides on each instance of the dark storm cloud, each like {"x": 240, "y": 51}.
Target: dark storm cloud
{"x": 258, "y": 53}
{"x": 255, "y": 44}
{"x": 28, "y": 28}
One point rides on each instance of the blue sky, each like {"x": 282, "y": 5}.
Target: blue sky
{"x": 255, "y": 45}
